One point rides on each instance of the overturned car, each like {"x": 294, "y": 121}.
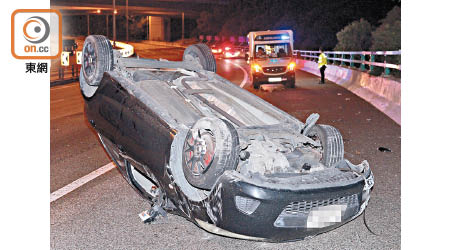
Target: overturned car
{"x": 196, "y": 145}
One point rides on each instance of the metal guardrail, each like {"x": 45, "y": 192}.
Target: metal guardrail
{"x": 349, "y": 57}
{"x": 126, "y": 50}
{"x": 342, "y": 58}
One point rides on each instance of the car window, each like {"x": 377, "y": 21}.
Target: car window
{"x": 273, "y": 50}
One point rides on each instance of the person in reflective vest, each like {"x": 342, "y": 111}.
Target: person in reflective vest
{"x": 322, "y": 66}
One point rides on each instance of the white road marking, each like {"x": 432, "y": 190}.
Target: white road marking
{"x": 80, "y": 182}
{"x": 56, "y": 101}
{"x": 244, "y": 81}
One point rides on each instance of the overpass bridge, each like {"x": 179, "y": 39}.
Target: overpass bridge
{"x": 158, "y": 13}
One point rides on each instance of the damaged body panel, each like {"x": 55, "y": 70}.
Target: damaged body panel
{"x": 196, "y": 145}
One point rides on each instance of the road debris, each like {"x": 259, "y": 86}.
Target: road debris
{"x": 383, "y": 149}
{"x": 271, "y": 87}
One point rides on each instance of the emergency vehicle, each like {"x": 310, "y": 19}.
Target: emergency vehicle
{"x": 270, "y": 57}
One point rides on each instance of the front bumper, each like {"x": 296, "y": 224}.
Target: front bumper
{"x": 281, "y": 214}
{"x": 265, "y": 78}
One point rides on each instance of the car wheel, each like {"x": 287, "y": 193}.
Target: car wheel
{"x": 201, "y": 54}
{"x": 210, "y": 148}
{"x": 97, "y": 59}
{"x": 332, "y": 143}
{"x": 256, "y": 84}
{"x": 290, "y": 84}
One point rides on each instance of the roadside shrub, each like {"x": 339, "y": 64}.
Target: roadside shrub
{"x": 387, "y": 36}
{"x": 356, "y": 36}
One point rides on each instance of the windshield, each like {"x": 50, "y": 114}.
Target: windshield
{"x": 276, "y": 50}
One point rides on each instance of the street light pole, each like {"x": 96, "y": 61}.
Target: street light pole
{"x": 182, "y": 26}
{"x": 126, "y": 10}
{"x": 114, "y": 21}
{"x": 107, "y": 25}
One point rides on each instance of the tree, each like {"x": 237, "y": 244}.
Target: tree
{"x": 230, "y": 27}
{"x": 314, "y": 23}
{"x": 204, "y": 23}
{"x": 356, "y": 36}
{"x": 388, "y": 35}
{"x": 210, "y": 22}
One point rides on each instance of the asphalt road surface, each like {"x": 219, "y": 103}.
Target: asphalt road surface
{"x": 103, "y": 214}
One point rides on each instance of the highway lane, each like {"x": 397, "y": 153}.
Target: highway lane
{"x": 234, "y": 70}
{"x": 74, "y": 148}
{"x": 103, "y": 213}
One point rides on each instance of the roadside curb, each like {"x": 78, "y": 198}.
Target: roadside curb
{"x": 63, "y": 82}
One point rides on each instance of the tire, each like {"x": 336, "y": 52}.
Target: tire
{"x": 201, "y": 54}
{"x": 332, "y": 143}
{"x": 87, "y": 90}
{"x": 290, "y": 84}
{"x": 97, "y": 59}
{"x": 211, "y": 147}
{"x": 256, "y": 84}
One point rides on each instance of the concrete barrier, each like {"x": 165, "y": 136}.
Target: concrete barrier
{"x": 381, "y": 92}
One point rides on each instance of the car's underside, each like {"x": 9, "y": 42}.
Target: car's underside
{"x": 196, "y": 144}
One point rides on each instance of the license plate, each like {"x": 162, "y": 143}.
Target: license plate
{"x": 325, "y": 216}
{"x": 274, "y": 79}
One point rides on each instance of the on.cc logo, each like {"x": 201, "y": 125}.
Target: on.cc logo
{"x": 36, "y": 29}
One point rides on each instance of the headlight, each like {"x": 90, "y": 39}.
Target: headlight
{"x": 291, "y": 66}
{"x": 256, "y": 68}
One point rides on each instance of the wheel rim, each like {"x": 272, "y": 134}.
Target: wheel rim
{"x": 89, "y": 60}
{"x": 199, "y": 149}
